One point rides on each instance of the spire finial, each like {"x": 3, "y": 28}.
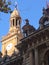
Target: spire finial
{"x": 16, "y": 5}
{"x": 47, "y": 4}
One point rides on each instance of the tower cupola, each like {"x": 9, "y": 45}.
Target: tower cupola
{"x": 15, "y": 20}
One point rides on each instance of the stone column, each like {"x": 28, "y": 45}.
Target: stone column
{"x": 42, "y": 63}
{"x": 31, "y": 58}
{"x": 36, "y": 56}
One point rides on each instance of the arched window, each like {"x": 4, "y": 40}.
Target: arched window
{"x": 16, "y": 22}
{"x": 13, "y": 22}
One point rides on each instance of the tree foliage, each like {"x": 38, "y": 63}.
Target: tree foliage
{"x": 4, "y": 6}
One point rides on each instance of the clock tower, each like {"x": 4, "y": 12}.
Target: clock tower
{"x": 14, "y": 35}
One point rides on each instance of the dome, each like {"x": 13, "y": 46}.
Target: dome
{"x": 15, "y": 13}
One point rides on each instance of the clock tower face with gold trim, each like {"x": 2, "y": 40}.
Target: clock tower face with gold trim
{"x": 14, "y": 35}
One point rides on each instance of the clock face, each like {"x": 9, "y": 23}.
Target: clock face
{"x": 9, "y": 46}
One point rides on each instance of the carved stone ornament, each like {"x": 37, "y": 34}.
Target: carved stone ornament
{"x": 47, "y": 44}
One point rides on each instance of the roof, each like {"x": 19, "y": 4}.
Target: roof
{"x": 15, "y": 13}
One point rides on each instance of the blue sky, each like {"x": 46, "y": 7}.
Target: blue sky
{"x": 31, "y": 9}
